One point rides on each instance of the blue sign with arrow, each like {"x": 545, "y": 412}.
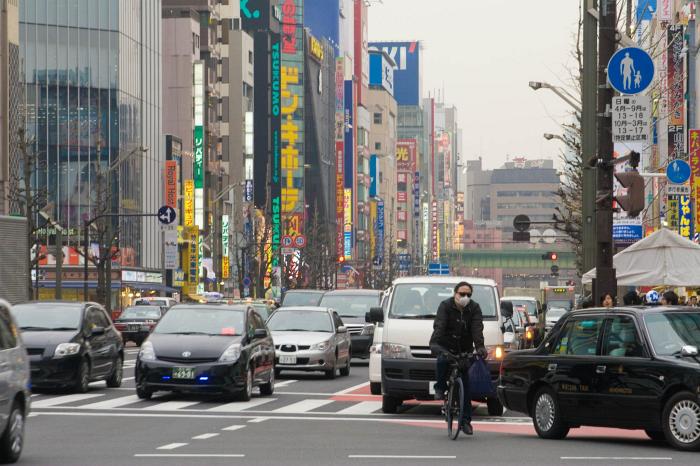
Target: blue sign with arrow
{"x": 166, "y": 215}
{"x": 630, "y": 70}
{"x": 678, "y": 171}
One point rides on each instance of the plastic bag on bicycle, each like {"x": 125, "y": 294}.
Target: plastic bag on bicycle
{"x": 480, "y": 384}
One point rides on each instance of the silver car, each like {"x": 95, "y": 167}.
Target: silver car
{"x": 14, "y": 387}
{"x": 310, "y": 339}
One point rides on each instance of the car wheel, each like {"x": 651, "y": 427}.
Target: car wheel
{"x": 115, "y": 380}
{"x": 546, "y": 415}
{"x": 268, "y": 388}
{"x": 12, "y": 439}
{"x": 390, "y": 404}
{"x": 681, "y": 421}
{"x": 82, "y": 384}
{"x": 143, "y": 393}
{"x": 330, "y": 374}
{"x": 494, "y": 406}
{"x": 656, "y": 435}
{"x": 247, "y": 392}
{"x": 345, "y": 371}
{"x": 375, "y": 388}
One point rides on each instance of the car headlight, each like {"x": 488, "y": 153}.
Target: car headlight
{"x": 376, "y": 349}
{"x": 368, "y": 329}
{"x": 66, "y": 349}
{"x": 322, "y": 346}
{"x": 231, "y": 354}
{"x": 496, "y": 352}
{"x": 147, "y": 353}
{"x": 396, "y": 351}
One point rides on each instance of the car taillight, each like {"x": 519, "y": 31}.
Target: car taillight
{"x": 529, "y": 335}
{"x": 120, "y": 326}
{"x": 499, "y": 352}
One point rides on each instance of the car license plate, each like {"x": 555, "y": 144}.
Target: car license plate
{"x": 183, "y": 373}
{"x": 133, "y": 327}
{"x": 431, "y": 387}
{"x": 288, "y": 359}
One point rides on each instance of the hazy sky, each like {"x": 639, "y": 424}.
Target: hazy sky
{"x": 484, "y": 53}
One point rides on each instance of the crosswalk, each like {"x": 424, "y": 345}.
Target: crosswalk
{"x": 119, "y": 400}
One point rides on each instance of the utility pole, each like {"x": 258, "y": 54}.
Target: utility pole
{"x": 605, "y": 281}
{"x": 588, "y": 129}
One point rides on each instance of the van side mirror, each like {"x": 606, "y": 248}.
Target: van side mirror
{"x": 260, "y": 333}
{"x": 506, "y": 309}
{"x": 375, "y": 315}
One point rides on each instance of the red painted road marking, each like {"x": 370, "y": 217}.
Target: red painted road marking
{"x": 351, "y": 397}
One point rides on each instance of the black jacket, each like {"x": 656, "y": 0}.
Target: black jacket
{"x": 458, "y": 330}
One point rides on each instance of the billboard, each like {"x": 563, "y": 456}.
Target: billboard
{"x": 694, "y": 152}
{"x": 189, "y": 203}
{"x": 407, "y": 70}
{"x": 349, "y": 139}
{"x": 339, "y": 155}
{"x": 406, "y": 155}
{"x": 255, "y": 14}
{"x": 685, "y": 217}
{"x": 199, "y": 143}
{"x": 676, "y": 111}
{"x": 322, "y": 17}
{"x": 373, "y": 175}
{"x": 347, "y": 223}
{"x": 292, "y": 114}
{"x": 379, "y": 251}
{"x": 381, "y": 71}
{"x": 275, "y": 146}
{"x": 171, "y": 183}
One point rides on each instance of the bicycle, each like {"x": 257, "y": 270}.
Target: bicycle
{"x": 453, "y": 404}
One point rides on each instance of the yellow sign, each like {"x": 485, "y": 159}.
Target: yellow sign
{"x": 315, "y": 48}
{"x": 191, "y": 258}
{"x": 189, "y": 203}
{"x": 347, "y": 206}
{"x": 225, "y": 267}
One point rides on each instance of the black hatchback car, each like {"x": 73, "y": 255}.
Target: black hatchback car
{"x": 633, "y": 368}
{"x": 70, "y": 344}
{"x": 136, "y": 322}
{"x": 207, "y": 348}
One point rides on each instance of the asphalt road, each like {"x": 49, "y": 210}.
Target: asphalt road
{"x": 308, "y": 421}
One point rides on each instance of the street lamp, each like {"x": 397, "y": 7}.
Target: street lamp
{"x": 562, "y": 93}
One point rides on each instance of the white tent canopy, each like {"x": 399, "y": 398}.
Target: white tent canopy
{"x": 664, "y": 258}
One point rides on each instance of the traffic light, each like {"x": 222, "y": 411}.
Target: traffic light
{"x": 341, "y": 259}
{"x": 550, "y": 256}
{"x": 633, "y": 201}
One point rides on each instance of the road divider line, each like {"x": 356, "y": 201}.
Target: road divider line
{"x": 352, "y": 389}
{"x": 127, "y": 378}
{"x": 616, "y": 458}
{"x": 363, "y": 407}
{"x": 204, "y": 436}
{"x": 238, "y": 406}
{"x": 186, "y": 455}
{"x": 61, "y": 400}
{"x": 301, "y": 407}
{"x": 257, "y": 420}
{"x": 285, "y": 383}
{"x": 113, "y": 403}
{"x": 170, "y": 405}
{"x": 171, "y": 446}
{"x": 232, "y": 428}
{"x": 404, "y": 457}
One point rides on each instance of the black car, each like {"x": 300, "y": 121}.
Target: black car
{"x": 302, "y": 297}
{"x": 70, "y": 344}
{"x": 352, "y": 306}
{"x": 633, "y": 368}
{"x": 207, "y": 348}
{"x": 136, "y": 322}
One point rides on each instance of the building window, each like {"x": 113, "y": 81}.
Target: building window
{"x": 250, "y": 57}
{"x": 378, "y": 118}
{"x": 377, "y": 146}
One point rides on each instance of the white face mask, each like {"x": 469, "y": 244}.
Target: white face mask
{"x": 463, "y": 300}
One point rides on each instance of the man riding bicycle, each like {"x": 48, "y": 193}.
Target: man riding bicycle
{"x": 458, "y": 328}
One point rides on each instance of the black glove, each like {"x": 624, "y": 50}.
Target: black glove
{"x": 483, "y": 352}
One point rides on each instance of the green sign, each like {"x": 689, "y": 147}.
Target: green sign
{"x": 199, "y": 157}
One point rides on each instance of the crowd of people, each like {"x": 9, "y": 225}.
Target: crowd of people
{"x": 651, "y": 298}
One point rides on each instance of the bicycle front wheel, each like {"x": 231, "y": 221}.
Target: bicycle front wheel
{"x": 455, "y": 408}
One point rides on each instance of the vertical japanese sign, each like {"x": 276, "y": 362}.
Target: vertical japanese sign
{"x": 349, "y": 167}
{"x": 676, "y": 110}
{"x": 685, "y": 217}
{"x": 190, "y": 260}
{"x": 435, "y": 240}
{"x": 171, "y": 183}
{"x": 406, "y": 155}
{"x": 198, "y": 140}
{"x": 347, "y": 224}
{"x": 694, "y": 152}
{"x": 275, "y": 145}
{"x": 339, "y": 155}
{"x": 292, "y": 135}
{"x": 225, "y": 222}
{"x": 380, "y": 232}
{"x": 189, "y": 203}
{"x": 373, "y": 229}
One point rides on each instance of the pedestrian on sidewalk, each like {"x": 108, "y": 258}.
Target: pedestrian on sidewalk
{"x": 669, "y": 298}
{"x": 607, "y": 300}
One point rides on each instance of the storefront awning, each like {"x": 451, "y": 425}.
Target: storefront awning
{"x": 74, "y": 285}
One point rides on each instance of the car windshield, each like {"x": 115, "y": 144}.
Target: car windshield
{"x": 555, "y": 313}
{"x": 561, "y": 304}
{"x": 202, "y": 320}
{"x": 141, "y": 312}
{"x": 421, "y": 300}
{"x": 670, "y": 332}
{"x": 299, "y": 298}
{"x": 292, "y": 320}
{"x": 528, "y": 306}
{"x": 47, "y": 316}
{"x": 351, "y": 305}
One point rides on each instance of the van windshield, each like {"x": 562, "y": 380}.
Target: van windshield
{"x": 421, "y": 300}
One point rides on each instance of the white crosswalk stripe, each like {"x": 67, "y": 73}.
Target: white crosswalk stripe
{"x": 363, "y": 407}
{"x": 303, "y": 406}
{"x": 65, "y": 399}
{"x": 113, "y": 403}
{"x": 238, "y": 406}
{"x": 170, "y": 406}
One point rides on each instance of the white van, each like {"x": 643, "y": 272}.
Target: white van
{"x": 407, "y": 365}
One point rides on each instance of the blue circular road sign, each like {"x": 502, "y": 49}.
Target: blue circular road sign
{"x": 678, "y": 171}
{"x": 166, "y": 215}
{"x": 247, "y": 282}
{"x": 630, "y": 70}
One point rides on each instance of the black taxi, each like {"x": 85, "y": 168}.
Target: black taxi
{"x": 633, "y": 368}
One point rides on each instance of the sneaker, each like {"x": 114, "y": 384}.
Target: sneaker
{"x": 467, "y": 428}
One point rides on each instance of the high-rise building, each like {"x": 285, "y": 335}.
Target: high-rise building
{"x": 10, "y": 98}
{"x": 91, "y": 73}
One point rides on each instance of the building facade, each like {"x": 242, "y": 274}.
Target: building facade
{"x": 10, "y": 99}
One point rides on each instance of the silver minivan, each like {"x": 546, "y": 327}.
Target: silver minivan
{"x": 14, "y": 387}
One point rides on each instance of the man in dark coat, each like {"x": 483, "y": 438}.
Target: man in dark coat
{"x": 458, "y": 328}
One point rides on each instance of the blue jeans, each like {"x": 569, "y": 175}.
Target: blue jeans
{"x": 443, "y": 366}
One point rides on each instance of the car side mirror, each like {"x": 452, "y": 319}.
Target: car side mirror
{"x": 97, "y": 331}
{"x": 375, "y": 315}
{"x": 689, "y": 350}
{"x": 260, "y": 333}
{"x": 507, "y": 309}
{"x": 342, "y": 329}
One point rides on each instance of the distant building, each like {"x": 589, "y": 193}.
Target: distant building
{"x": 10, "y": 97}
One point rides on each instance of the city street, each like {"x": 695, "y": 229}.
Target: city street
{"x": 308, "y": 421}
